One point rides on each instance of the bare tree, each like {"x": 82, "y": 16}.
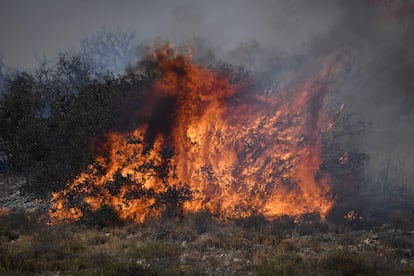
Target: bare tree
{"x": 109, "y": 51}
{"x": 2, "y": 74}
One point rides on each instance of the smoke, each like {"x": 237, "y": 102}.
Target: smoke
{"x": 282, "y": 41}
{"x": 286, "y": 40}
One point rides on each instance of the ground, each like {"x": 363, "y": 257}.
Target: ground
{"x": 198, "y": 244}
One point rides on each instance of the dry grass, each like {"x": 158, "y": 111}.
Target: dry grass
{"x": 197, "y": 245}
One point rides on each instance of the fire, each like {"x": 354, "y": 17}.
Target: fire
{"x": 209, "y": 144}
{"x": 4, "y": 211}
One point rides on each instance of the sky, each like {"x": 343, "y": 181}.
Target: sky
{"x": 43, "y": 27}
{"x": 281, "y": 39}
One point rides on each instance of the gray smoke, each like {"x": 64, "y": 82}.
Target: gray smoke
{"x": 280, "y": 40}
{"x": 286, "y": 40}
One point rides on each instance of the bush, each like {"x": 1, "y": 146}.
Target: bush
{"x": 158, "y": 256}
{"x": 117, "y": 268}
{"x": 50, "y": 118}
{"x": 346, "y": 263}
{"x": 103, "y": 217}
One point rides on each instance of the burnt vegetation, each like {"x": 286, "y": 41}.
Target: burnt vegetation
{"x": 53, "y": 122}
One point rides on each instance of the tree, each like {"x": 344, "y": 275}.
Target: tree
{"x": 21, "y": 121}
{"x": 37, "y": 132}
{"x": 109, "y": 51}
{"x": 3, "y": 75}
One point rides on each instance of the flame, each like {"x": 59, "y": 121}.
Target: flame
{"x": 213, "y": 145}
{"x": 4, "y": 211}
{"x": 352, "y": 216}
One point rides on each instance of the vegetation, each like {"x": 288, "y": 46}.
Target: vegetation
{"x": 51, "y": 121}
{"x": 47, "y": 119}
{"x": 197, "y": 244}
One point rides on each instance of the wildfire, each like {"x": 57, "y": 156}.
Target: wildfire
{"x": 209, "y": 144}
{"x": 4, "y": 211}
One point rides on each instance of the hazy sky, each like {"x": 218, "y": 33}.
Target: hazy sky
{"x": 282, "y": 38}
{"x": 43, "y": 27}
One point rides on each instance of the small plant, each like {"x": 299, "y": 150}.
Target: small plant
{"x": 343, "y": 262}
{"x": 287, "y": 246}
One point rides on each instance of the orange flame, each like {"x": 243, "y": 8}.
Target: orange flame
{"x": 238, "y": 154}
{"x": 4, "y": 211}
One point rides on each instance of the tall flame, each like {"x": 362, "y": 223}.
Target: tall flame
{"x": 209, "y": 144}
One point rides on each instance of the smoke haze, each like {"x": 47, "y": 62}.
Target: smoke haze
{"x": 283, "y": 40}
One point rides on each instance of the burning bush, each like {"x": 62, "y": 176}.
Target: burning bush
{"x": 205, "y": 140}
{"x": 173, "y": 137}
